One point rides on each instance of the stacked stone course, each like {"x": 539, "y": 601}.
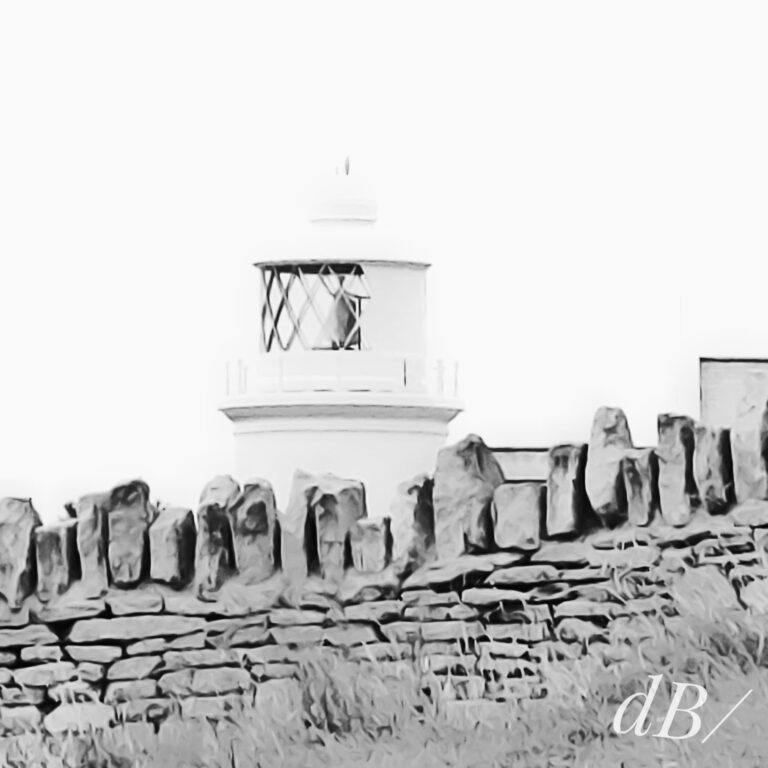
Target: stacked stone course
{"x": 129, "y": 611}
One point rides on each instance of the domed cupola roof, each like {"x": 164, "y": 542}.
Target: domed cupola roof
{"x": 342, "y": 227}
{"x": 345, "y": 198}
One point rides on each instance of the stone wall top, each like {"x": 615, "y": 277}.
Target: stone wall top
{"x": 119, "y": 542}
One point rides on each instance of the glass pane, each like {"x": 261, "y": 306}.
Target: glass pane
{"x": 313, "y": 306}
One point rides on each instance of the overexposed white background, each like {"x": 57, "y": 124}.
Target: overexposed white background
{"x": 589, "y": 180}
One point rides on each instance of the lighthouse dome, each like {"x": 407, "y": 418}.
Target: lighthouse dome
{"x": 341, "y": 226}
{"x": 344, "y": 198}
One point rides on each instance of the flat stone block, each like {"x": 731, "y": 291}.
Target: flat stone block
{"x": 134, "y": 668}
{"x": 41, "y": 653}
{"x": 44, "y": 675}
{"x": 133, "y": 628}
{"x": 208, "y": 657}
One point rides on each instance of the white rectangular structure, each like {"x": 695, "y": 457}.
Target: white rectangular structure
{"x": 523, "y": 463}
{"x": 734, "y": 394}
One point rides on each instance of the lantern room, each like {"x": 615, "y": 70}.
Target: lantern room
{"x": 337, "y": 377}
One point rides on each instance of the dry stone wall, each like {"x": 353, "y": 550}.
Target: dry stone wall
{"x": 128, "y": 611}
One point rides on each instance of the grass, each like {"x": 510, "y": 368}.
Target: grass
{"x": 380, "y": 715}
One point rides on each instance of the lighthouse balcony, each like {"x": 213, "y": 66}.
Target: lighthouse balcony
{"x": 342, "y": 371}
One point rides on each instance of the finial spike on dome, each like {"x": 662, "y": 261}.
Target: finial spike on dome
{"x": 344, "y": 199}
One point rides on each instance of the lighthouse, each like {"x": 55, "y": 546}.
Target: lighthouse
{"x": 337, "y": 377}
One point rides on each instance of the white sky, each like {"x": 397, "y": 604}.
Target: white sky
{"x": 590, "y": 181}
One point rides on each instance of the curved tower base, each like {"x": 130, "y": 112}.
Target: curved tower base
{"x": 381, "y": 440}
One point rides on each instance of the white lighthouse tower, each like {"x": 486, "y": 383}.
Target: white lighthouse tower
{"x": 338, "y": 379}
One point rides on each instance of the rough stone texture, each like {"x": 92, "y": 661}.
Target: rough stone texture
{"x": 295, "y": 636}
{"x": 713, "y": 469}
{"x": 486, "y": 596}
{"x": 678, "y": 494}
{"x": 361, "y": 587}
{"x": 214, "y": 553}
{"x": 246, "y": 635}
{"x": 350, "y": 635}
{"x": 14, "y": 618}
{"x": 516, "y": 514}
{"x": 640, "y": 472}
{"x": 172, "y": 539}
{"x": 29, "y": 635}
{"x": 253, "y": 517}
{"x": 92, "y": 543}
{"x": 286, "y": 617}
{"x": 44, "y": 675}
{"x": 160, "y": 644}
{"x": 413, "y": 525}
{"x": 98, "y": 654}
{"x": 482, "y": 623}
{"x": 133, "y": 628}
{"x": 222, "y": 490}
{"x": 128, "y": 516}
{"x": 428, "y": 597}
{"x": 500, "y": 615}
{"x": 73, "y": 604}
{"x": 465, "y": 570}
{"x": 90, "y": 672}
{"x": 378, "y": 611}
{"x": 41, "y": 653}
{"x": 336, "y": 505}
{"x": 603, "y": 479}
{"x": 439, "y": 613}
{"x": 128, "y": 690}
{"x": 523, "y": 575}
{"x": 18, "y": 521}
{"x": 57, "y": 561}
{"x": 295, "y": 521}
{"x": 753, "y": 513}
{"x": 134, "y": 668}
{"x": 371, "y": 545}
{"x": 214, "y": 549}
{"x": 466, "y": 477}
{"x": 567, "y": 501}
{"x": 748, "y": 439}
{"x": 209, "y": 657}
{"x": 133, "y": 602}
{"x": 15, "y": 695}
